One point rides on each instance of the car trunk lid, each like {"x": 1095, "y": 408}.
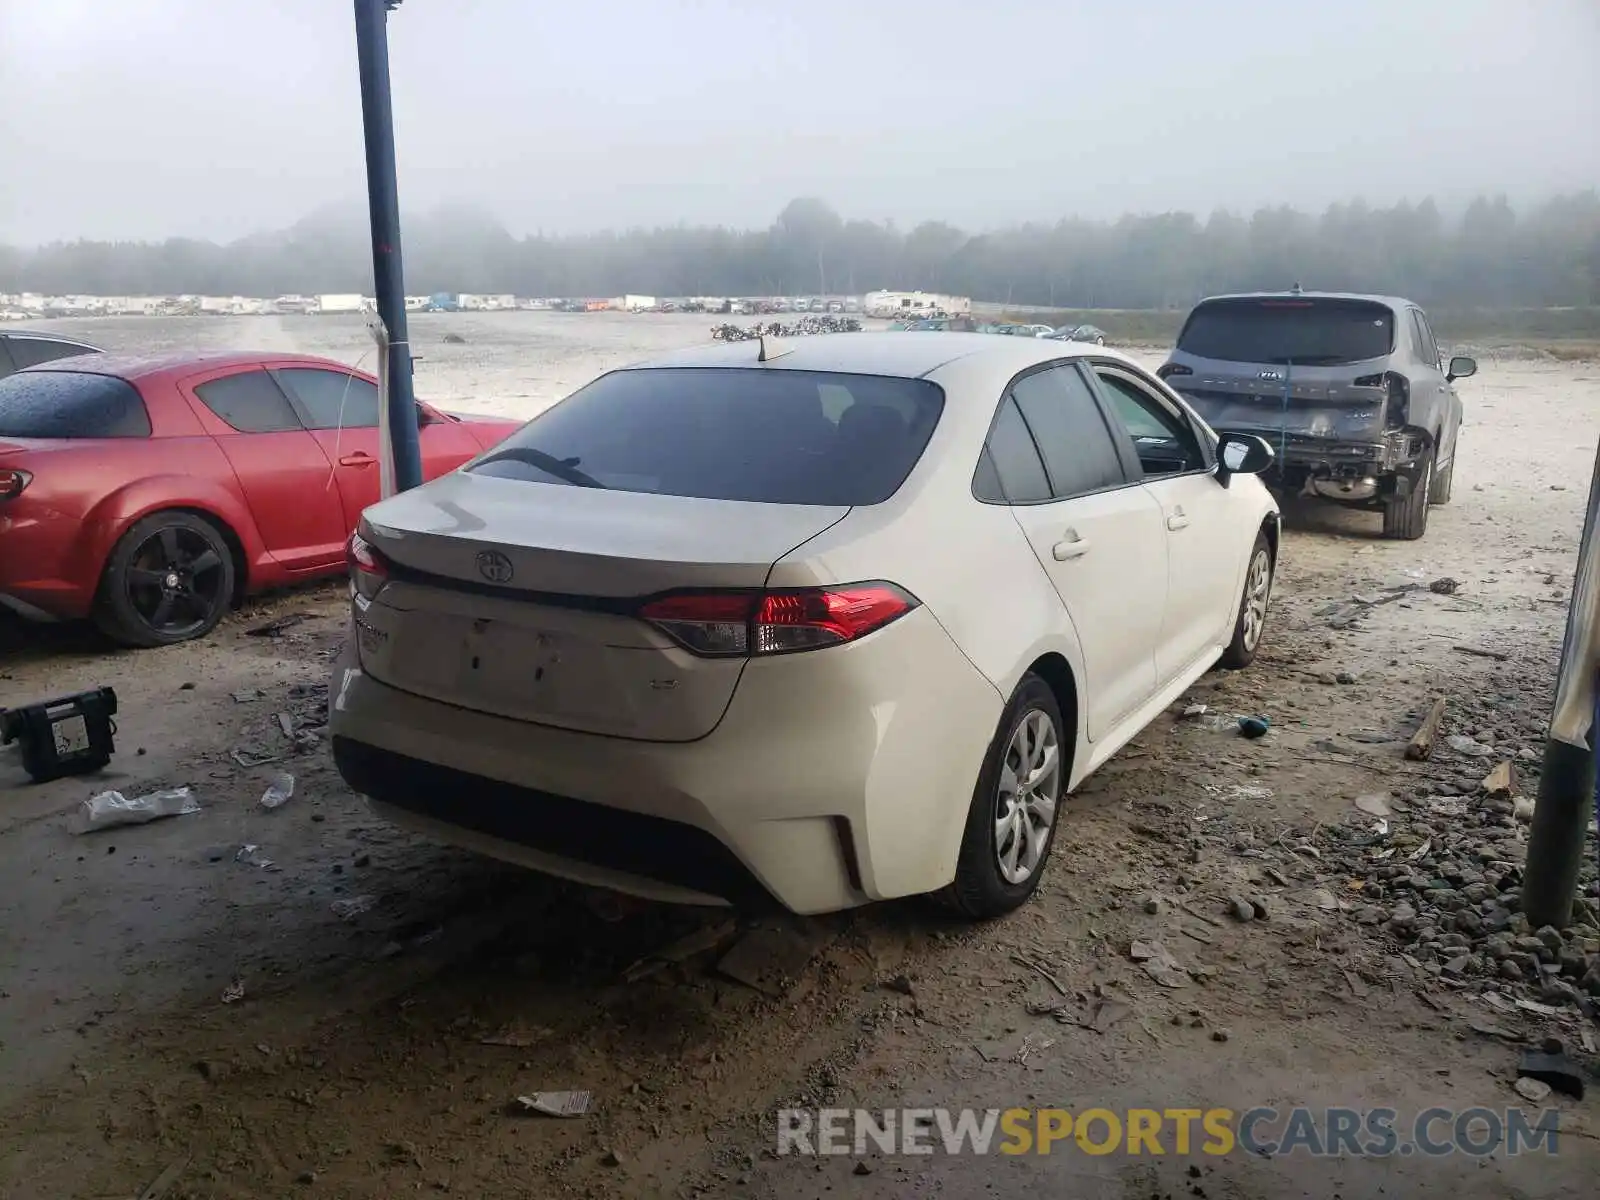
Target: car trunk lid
{"x": 517, "y": 598}
{"x": 1344, "y": 402}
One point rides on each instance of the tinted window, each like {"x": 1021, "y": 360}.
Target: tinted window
{"x": 1011, "y": 471}
{"x": 68, "y": 404}
{"x": 332, "y": 399}
{"x": 250, "y": 402}
{"x": 1164, "y": 442}
{"x": 5, "y": 359}
{"x": 763, "y": 435}
{"x": 1061, "y": 413}
{"x": 27, "y": 351}
{"x": 1310, "y": 332}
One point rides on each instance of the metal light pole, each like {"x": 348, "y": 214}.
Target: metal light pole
{"x": 1567, "y": 786}
{"x": 383, "y": 203}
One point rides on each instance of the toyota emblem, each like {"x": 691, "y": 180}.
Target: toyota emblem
{"x": 494, "y": 566}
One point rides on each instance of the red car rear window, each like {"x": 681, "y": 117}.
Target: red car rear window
{"x": 70, "y": 404}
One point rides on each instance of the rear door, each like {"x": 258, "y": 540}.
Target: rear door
{"x": 286, "y": 479}
{"x": 1198, "y": 523}
{"x": 1097, "y": 534}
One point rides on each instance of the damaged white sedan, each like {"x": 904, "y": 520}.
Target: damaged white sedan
{"x": 819, "y": 624}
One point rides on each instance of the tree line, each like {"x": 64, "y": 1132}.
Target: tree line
{"x": 1490, "y": 255}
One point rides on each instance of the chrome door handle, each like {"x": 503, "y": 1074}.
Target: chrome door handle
{"x": 1074, "y": 547}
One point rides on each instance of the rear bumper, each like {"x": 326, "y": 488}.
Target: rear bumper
{"x": 1301, "y": 456}
{"x": 835, "y": 778}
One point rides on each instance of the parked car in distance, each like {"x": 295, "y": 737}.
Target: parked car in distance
{"x": 20, "y": 349}
{"x": 1089, "y": 334}
{"x": 1351, "y": 389}
{"x": 824, "y": 629}
{"x": 152, "y": 493}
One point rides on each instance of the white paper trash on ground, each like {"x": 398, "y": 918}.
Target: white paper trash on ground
{"x": 110, "y": 809}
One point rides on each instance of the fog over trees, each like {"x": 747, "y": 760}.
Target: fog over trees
{"x": 1490, "y": 255}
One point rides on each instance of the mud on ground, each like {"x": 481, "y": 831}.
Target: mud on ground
{"x": 379, "y": 1052}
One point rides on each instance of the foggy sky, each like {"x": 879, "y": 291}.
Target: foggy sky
{"x": 218, "y": 118}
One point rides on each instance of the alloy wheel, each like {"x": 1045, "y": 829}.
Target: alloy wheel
{"x": 1028, "y": 794}
{"x": 174, "y": 581}
{"x": 1257, "y": 590}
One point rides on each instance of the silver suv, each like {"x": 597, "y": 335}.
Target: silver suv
{"x": 1350, "y": 390}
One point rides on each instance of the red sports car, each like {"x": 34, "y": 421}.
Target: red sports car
{"x": 153, "y": 493}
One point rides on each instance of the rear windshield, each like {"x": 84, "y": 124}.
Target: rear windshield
{"x": 70, "y": 404}
{"x": 1309, "y": 332}
{"x": 770, "y": 436}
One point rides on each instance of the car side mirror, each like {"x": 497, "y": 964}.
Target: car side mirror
{"x": 1242, "y": 454}
{"x": 1461, "y": 367}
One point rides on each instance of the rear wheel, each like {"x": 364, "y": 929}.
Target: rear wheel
{"x": 169, "y": 579}
{"x": 1441, "y": 486}
{"x": 1406, "y": 517}
{"x": 1012, "y": 822}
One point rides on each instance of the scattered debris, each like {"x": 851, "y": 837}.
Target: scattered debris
{"x": 1420, "y": 747}
{"x": 708, "y": 937}
{"x": 1534, "y": 1091}
{"x": 233, "y": 992}
{"x": 1241, "y": 909}
{"x": 454, "y": 339}
{"x": 279, "y": 789}
{"x": 1552, "y": 1066}
{"x": 1358, "y": 987}
{"x": 1483, "y": 652}
{"x": 248, "y": 697}
{"x": 1501, "y": 781}
{"x": 247, "y": 759}
{"x": 1107, "y": 1012}
{"x": 276, "y": 626}
{"x": 863, "y": 1169}
{"x": 250, "y": 855}
{"x": 901, "y": 984}
{"x": 1462, "y": 744}
{"x": 555, "y": 1104}
{"x": 611, "y": 1159}
{"x": 1039, "y": 970}
{"x": 1375, "y": 804}
{"x": 107, "y": 810}
{"x": 769, "y": 959}
{"x": 518, "y": 1037}
{"x": 1254, "y": 727}
{"x": 1157, "y": 962}
{"x": 162, "y": 1183}
{"x": 1444, "y": 587}
{"x": 1522, "y": 810}
{"x": 1195, "y": 710}
{"x": 349, "y": 910}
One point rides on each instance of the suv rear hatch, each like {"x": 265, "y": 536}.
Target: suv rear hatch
{"x": 515, "y": 586}
{"x": 1297, "y": 365}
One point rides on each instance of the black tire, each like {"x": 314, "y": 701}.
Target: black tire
{"x": 1405, "y": 518}
{"x": 169, "y": 579}
{"x": 980, "y": 891}
{"x": 1439, "y": 496}
{"x": 1100, "y": 340}
{"x": 1249, "y": 626}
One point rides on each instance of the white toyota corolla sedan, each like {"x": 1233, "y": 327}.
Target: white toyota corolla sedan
{"x": 822, "y": 623}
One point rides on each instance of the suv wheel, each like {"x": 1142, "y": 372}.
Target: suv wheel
{"x": 1406, "y": 517}
{"x": 1012, "y": 822}
{"x": 1441, "y": 486}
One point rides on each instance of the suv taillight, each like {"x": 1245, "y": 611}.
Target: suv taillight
{"x": 743, "y": 624}
{"x": 12, "y": 481}
{"x": 368, "y": 569}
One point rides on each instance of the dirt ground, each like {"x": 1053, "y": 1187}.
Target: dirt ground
{"x": 357, "y": 1018}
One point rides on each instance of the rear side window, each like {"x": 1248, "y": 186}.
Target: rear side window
{"x": 1290, "y": 330}
{"x": 332, "y": 399}
{"x": 1011, "y": 471}
{"x": 1061, "y": 413}
{"x": 250, "y": 402}
{"x": 71, "y": 404}
{"x": 771, "y": 436}
{"x": 30, "y": 351}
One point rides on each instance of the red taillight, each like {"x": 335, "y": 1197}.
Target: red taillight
{"x": 1168, "y": 370}
{"x": 739, "y": 624}
{"x": 368, "y": 570}
{"x": 12, "y": 481}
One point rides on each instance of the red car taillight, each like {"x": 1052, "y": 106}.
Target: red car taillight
{"x": 741, "y": 624}
{"x": 368, "y": 570}
{"x": 12, "y": 481}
